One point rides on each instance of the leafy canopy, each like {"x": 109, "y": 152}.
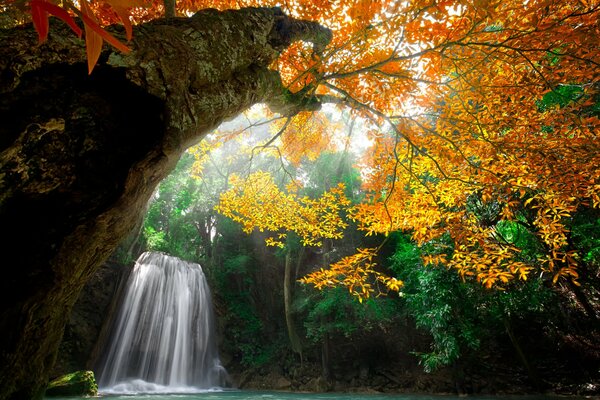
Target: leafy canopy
{"x": 483, "y": 116}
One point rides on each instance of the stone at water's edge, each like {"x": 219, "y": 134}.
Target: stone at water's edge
{"x": 80, "y": 383}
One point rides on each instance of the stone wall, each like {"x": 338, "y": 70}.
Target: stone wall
{"x": 82, "y": 340}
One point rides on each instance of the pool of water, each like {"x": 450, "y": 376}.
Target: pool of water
{"x": 251, "y": 395}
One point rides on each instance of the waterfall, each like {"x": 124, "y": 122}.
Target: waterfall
{"x": 163, "y": 337}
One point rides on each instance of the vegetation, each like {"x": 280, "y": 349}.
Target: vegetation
{"x": 464, "y": 322}
{"x": 474, "y": 207}
{"x": 483, "y": 115}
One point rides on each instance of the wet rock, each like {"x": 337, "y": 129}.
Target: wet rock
{"x": 282, "y": 383}
{"x": 80, "y": 383}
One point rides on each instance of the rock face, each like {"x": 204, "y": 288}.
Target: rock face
{"x": 80, "y": 383}
{"x": 80, "y": 155}
{"x": 84, "y": 330}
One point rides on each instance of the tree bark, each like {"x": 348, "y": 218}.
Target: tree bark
{"x": 583, "y": 300}
{"x": 288, "y": 284}
{"x": 169, "y": 8}
{"x": 81, "y": 155}
{"x": 531, "y": 372}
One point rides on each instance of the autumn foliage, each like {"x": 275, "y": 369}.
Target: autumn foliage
{"x": 257, "y": 202}
{"x": 483, "y": 117}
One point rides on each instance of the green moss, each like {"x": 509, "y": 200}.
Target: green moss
{"x": 80, "y": 383}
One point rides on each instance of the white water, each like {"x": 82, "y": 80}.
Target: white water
{"x": 163, "y": 339}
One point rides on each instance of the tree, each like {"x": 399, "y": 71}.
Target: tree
{"x": 453, "y": 91}
{"x": 78, "y": 169}
{"x": 461, "y": 316}
{"x": 258, "y": 203}
{"x": 179, "y": 220}
{"x": 472, "y": 105}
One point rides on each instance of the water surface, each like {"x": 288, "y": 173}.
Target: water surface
{"x": 251, "y": 395}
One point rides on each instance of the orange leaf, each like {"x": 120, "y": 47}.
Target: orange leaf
{"x": 93, "y": 41}
{"x": 123, "y": 13}
{"x": 121, "y": 7}
{"x": 127, "y": 3}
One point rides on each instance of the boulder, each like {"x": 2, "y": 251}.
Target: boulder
{"x": 80, "y": 383}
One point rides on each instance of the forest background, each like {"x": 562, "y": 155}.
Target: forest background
{"x": 472, "y": 215}
{"x": 435, "y": 332}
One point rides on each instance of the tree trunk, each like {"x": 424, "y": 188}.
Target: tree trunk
{"x": 326, "y": 342}
{"x": 326, "y": 358}
{"x": 81, "y": 155}
{"x": 288, "y": 283}
{"x": 583, "y": 301}
{"x": 531, "y": 372}
{"x": 169, "y": 8}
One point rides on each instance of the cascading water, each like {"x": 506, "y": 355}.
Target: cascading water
{"x": 163, "y": 338}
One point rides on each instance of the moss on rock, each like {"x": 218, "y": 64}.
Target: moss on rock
{"x": 79, "y": 383}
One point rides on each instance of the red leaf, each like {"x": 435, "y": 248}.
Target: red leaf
{"x": 39, "y": 13}
{"x": 60, "y": 13}
{"x": 105, "y": 35}
{"x": 40, "y": 19}
{"x": 94, "y": 35}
